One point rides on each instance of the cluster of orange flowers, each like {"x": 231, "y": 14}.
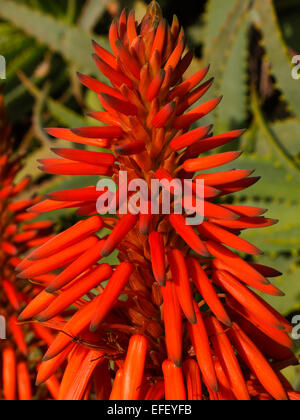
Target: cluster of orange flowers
{"x": 19, "y": 232}
{"x": 187, "y": 325}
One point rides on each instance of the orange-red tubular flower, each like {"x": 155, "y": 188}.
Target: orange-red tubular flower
{"x": 179, "y": 288}
{"x": 39, "y": 303}
{"x": 76, "y": 291}
{"x": 61, "y": 259}
{"x": 82, "y": 364}
{"x": 24, "y": 385}
{"x": 188, "y": 234}
{"x": 18, "y": 335}
{"x": 102, "y": 379}
{"x": 158, "y": 257}
{"x": 267, "y": 288}
{"x": 134, "y": 368}
{"x": 43, "y": 333}
{"x": 84, "y": 262}
{"x": 9, "y": 370}
{"x": 156, "y": 392}
{"x": 193, "y": 380}
{"x": 222, "y": 235}
{"x": 225, "y": 392}
{"x": 227, "y": 359}
{"x": 173, "y": 323}
{"x": 174, "y": 382}
{"x": 116, "y": 393}
{"x": 182, "y": 284}
{"x": 200, "y": 341}
{"x": 123, "y": 227}
{"x": 12, "y": 294}
{"x": 207, "y": 290}
{"x": 53, "y": 386}
{"x": 71, "y": 329}
{"x": 247, "y": 299}
{"x": 78, "y": 232}
{"x": 47, "y": 369}
{"x": 274, "y": 343}
{"x": 111, "y": 293}
{"x": 235, "y": 264}
{"x": 258, "y": 363}
{"x": 189, "y": 138}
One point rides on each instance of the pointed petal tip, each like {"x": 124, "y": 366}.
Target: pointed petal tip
{"x": 144, "y": 231}
{"x": 41, "y": 318}
{"x": 75, "y": 131}
{"x": 118, "y": 43}
{"x": 94, "y": 328}
{"x": 177, "y": 363}
{"x": 215, "y": 388}
{"x": 39, "y": 382}
{"x": 48, "y": 130}
{"x": 220, "y": 98}
{"x": 162, "y": 282}
{"x": 204, "y": 253}
{"x": 51, "y": 290}
{"x": 235, "y": 216}
{"x": 105, "y": 254}
{"x": 193, "y": 320}
{"x": 227, "y": 322}
{"x": 48, "y": 356}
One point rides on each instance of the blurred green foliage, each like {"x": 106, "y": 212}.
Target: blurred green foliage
{"x": 249, "y": 44}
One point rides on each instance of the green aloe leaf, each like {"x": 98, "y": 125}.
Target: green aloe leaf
{"x": 226, "y": 33}
{"x": 219, "y": 52}
{"x": 279, "y": 149}
{"x": 292, "y": 374}
{"x": 215, "y": 16}
{"x": 72, "y": 43}
{"x": 91, "y": 13}
{"x": 277, "y": 52}
{"x": 232, "y": 111}
{"x": 287, "y": 133}
{"x": 28, "y": 59}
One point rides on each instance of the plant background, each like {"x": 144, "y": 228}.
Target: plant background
{"x": 249, "y": 44}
